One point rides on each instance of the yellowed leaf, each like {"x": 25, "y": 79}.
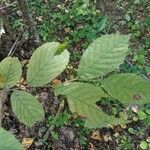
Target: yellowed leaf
{"x": 27, "y": 142}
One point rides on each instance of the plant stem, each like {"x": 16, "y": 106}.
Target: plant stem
{"x": 3, "y": 96}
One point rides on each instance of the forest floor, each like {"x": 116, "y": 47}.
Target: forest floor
{"x": 78, "y": 23}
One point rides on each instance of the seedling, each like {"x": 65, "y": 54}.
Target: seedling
{"x": 103, "y": 56}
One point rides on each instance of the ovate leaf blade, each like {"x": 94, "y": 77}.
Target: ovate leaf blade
{"x": 103, "y": 56}
{"x": 45, "y": 64}
{"x": 26, "y": 107}
{"x": 128, "y": 88}
{"x": 82, "y": 98}
{"x": 10, "y": 72}
{"x": 8, "y": 141}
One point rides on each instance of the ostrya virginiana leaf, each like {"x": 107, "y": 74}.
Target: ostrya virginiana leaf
{"x": 27, "y": 108}
{"x": 82, "y": 98}
{"x": 128, "y": 88}
{"x": 8, "y": 141}
{"x": 103, "y": 56}
{"x": 45, "y": 65}
{"x": 10, "y": 72}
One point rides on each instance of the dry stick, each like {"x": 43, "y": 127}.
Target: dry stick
{"x": 132, "y": 65}
{"x": 1, "y": 8}
{"x": 14, "y": 46}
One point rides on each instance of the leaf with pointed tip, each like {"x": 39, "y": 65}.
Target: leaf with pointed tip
{"x": 26, "y": 107}
{"x": 128, "y": 88}
{"x": 8, "y": 141}
{"x": 45, "y": 64}
{"x": 10, "y": 72}
{"x": 82, "y": 98}
{"x": 103, "y": 56}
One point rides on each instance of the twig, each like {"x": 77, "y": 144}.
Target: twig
{"x": 14, "y": 46}
{"x": 72, "y": 80}
{"x": 132, "y": 65}
{"x": 1, "y": 8}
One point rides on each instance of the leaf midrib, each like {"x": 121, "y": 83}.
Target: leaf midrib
{"x": 97, "y": 60}
{"x": 34, "y": 78}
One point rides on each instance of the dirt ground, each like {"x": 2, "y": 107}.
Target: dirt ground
{"x": 67, "y": 137}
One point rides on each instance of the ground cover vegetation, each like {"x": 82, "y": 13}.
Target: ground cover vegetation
{"x": 74, "y": 74}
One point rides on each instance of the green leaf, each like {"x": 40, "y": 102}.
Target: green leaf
{"x": 10, "y": 72}
{"x": 8, "y": 141}
{"x": 82, "y": 98}
{"x": 45, "y": 65}
{"x": 27, "y": 108}
{"x": 144, "y": 145}
{"x": 128, "y": 88}
{"x": 103, "y": 56}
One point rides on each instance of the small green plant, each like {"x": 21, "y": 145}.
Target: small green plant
{"x": 81, "y": 132}
{"x": 56, "y": 122}
{"x": 125, "y": 143}
{"x": 45, "y": 64}
{"x": 79, "y": 20}
{"x": 103, "y": 56}
{"x": 144, "y": 145}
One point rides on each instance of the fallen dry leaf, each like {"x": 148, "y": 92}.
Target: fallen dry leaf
{"x": 56, "y": 81}
{"x": 96, "y": 135}
{"x": 59, "y": 6}
{"x": 107, "y": 137}
{"x": 91, "y": 146}
{"x": 24, "y": 62}
{"x": 40, "y": 18}
{"x": 22, "y": 83}
{"x": 27, "y": 142}
{"x": 22, "y": 87}
{"x": 118, "y": 129}
{"x": 67, "y": 29}
{"x": 135, "y": 108}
